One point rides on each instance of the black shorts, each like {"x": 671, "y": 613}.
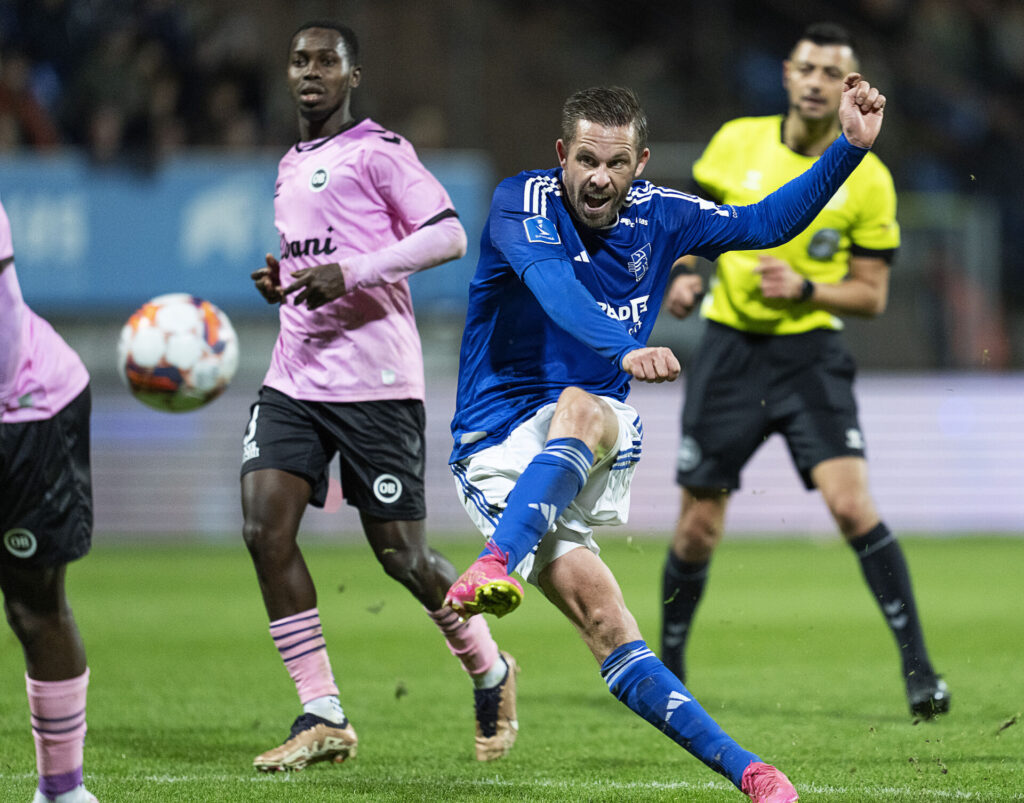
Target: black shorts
{"x": 742, "y": 387}
{"x": 46, "y": 488}
{"x": 380, "y": 445}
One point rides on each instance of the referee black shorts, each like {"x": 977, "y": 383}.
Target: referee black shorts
{"x": 380, "y": 445}
{"x": 46, "y": 488}
{"x": 742, "y": 387}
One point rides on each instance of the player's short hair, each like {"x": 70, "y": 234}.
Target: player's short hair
{"x": 828, "y": 33}
{"x": 608, "y": 106}
{"x": 348, "y": 36}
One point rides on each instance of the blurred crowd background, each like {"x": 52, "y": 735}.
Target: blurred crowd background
{"x": 135, "y": 83}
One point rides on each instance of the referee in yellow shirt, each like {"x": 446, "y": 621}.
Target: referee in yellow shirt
{"x": 772, "y": 358}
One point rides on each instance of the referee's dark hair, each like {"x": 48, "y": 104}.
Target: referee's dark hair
{"x": 828, "y": 33}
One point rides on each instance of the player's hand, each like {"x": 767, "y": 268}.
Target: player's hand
{"x": 778, "y": 279}
{"x": 268, "y": 280}
{"x": 317, "y": 285}
{"x": 684, "y": 294}
{"x": 860, "y": 111}
{"x": 651, "y": 364}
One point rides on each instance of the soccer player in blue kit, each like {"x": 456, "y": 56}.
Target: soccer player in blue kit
{"x": 573, "y": 265}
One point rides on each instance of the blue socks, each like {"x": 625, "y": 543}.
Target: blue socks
{"x": 638, "y": 679}
{"x": 545, "y": 488}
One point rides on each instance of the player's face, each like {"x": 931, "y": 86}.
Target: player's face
{"x": 813, "y": 77}
{"x": 598, "y": 168}
{"x": 320, "y": 74}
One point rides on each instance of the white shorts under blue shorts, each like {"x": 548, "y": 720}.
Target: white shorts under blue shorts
{"x": 485, "y": 479}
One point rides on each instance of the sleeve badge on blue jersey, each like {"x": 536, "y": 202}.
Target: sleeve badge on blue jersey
{"x": 540, "y": 229}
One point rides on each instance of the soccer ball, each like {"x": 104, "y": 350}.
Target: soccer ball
{"x": 177, "y": 352}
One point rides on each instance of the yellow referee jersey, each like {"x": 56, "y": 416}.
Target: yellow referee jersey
{"x": 744, "y": 162}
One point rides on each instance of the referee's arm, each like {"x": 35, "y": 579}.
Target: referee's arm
{"x": 864, "y": 291}
{"x": 685, "y": 287}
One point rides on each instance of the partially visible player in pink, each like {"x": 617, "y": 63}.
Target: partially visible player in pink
{"x": 45, "y": 523}
{"x": 357, "y": 213}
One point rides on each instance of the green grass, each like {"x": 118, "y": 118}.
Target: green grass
{"x": 789, "y": 655}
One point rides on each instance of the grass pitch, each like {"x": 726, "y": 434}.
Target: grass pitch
{"x": 789, "y": 654}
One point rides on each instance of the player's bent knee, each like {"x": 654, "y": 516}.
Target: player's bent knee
{"x": 583, "y": 409}
{"x": 267, "y": 544}
{"x": 853, "y": 515}
{"x": 407, "y": 566}
{"x": 253, "y": 534}
{"x": 697, "y": 537}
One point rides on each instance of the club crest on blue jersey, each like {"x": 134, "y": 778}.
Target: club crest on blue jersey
{"x": 541, "y": 230}
{"x": 639, "y": 261}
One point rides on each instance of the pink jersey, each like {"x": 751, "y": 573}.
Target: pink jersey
{"x": 357, "y": 192}
{"x": 39, "y": 373}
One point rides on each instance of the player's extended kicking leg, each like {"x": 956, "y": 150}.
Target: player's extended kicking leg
{"x": 402, "y": 550}
{"x": 583, "y": 588}
{"x": 273, "y": 502}
{"x": 843, "y": 482}
{"x": 582, "y": 424}
{"x": 56, "y": 678}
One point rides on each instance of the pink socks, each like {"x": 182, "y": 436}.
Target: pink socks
{"x": 299, "y": 638}
{"x": 470, "y": 641}
{"x": 58, "y": 727}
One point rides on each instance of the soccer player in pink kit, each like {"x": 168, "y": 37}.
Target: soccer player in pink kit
{"x": 45, "y": 523}
{"x": 357, "y": 213}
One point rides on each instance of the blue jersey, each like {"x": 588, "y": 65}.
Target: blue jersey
{"x": 555, "y": 304}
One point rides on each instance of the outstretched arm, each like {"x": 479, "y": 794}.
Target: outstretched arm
{"x": 786, "y": 212}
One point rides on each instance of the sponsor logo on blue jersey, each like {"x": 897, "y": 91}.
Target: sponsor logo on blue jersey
{"x": 639, "y": 261}
{"x": 541, "y": 230}
{"x": 630, "y": 312}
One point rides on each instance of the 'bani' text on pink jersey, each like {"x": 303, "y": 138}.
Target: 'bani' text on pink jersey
{"x": 357, "y": 192}
{"x": 41, "y": 373}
